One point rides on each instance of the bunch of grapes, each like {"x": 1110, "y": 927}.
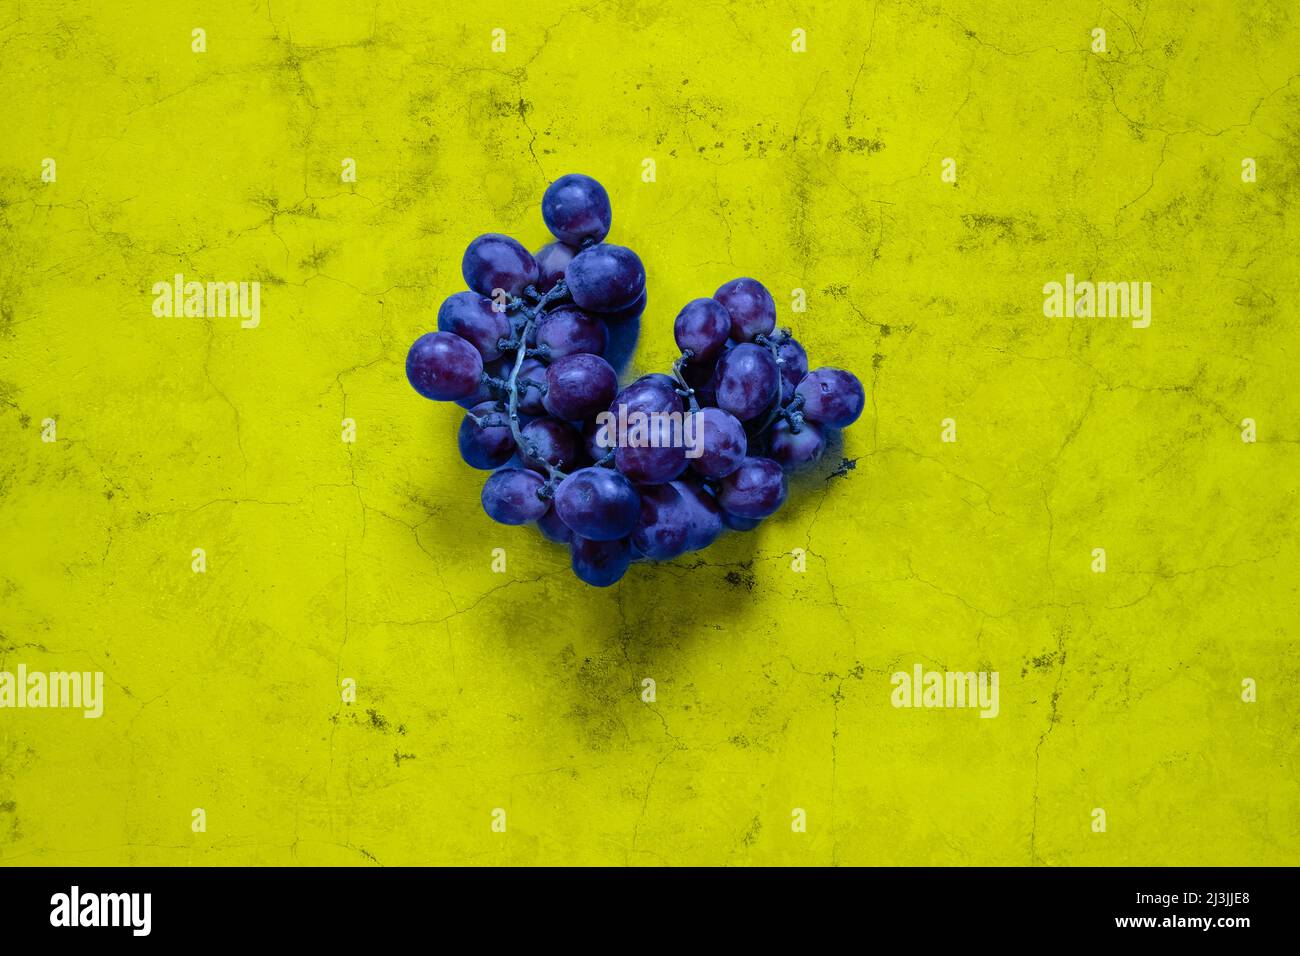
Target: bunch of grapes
{"x": 523, "y": 351}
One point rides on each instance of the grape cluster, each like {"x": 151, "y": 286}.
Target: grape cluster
{"x": 523, "y": 351}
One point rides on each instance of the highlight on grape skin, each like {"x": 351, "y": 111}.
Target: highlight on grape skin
{"x": 523, "y": 351}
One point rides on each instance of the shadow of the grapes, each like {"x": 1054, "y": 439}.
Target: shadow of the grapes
{"x": 717, "y": 593}
{"x": 666, "y": 620}
{"x": 623, "y": 337}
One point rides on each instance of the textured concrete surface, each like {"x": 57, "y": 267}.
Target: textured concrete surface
{"x": 371, "y": 561}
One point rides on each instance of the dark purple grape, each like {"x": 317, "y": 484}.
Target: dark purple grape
{"x": 485, "y": 392}
{"x": 475, "y": 320}
{"x": 579, "y": 386}
{"x": 794, "y": 365}
{"x": 510, "y": 496}
{"x": 598, "y": 503}
{"x": 576, "y": 207}
{"x": 721, "y": 441}
{"x": 485, "y": 447}
{"x": 628, "y": 312}
{"x": 494, "y": 261}
{"x": 443, "y": 366}
{"x": 567, "y": 330}
{"x": 648, "y": 465}
{"x": 664, "y": 527}
{"x": 605, "y": 278}
{"x": 745, "y": 381}
{"x": 552, "y": 259}
{"x": 754, "y": 490}
{"x": 737, "y": 523}
{"x": 832, "y": 396}
{"x": 702, "y": 327}
{"x": 706, "y": 515}
{"x": 648, "y": 394}
{"x": 750, "y": 305}
{"x": 651, "y": 448}
{"x": 791, "y": 449}
{"x": 530, "y": 396}
{"x": 600, "y": 563}
{"x": 552, "y": 528}
{"x": 556, "y": 442}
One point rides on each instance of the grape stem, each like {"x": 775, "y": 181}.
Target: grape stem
{"x": 773, "y": 344}
{"x": 684, "y": 388}
{"x": 793, "y": 414}
{"x": 531, "y": 313}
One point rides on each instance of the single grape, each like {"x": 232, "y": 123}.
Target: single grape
{"x": 664, "y": 526}
{"x": 628, "y": 312}
{"x": 648, "y": 465}
{"x": 579, "y": 386}
{"x": 530, "y": 396}
{"x": 556, "y": 442}
{"x": 576, "y": 208}
{"x": 706, "y": 515}
{"x": 605, "y": 278}
{"x": 745, "y": 381}
{"x": 648, "y": 394}
{"x": 494, "y": 261}
{"x": 598, "y": 503}
{"x": 721, "y": 442}
{"x": 568, "y": 330}
{"x": 650, "y": 434}
{"x": 794, "y": 366}
{"x": 599, "y": 563}
{"x": 552, "y": 528}
{"x": 552, "y": 259}
{"x": 510, "y": 496}
{"x": 752, "y": 310}
{"x": 443, "y": 366}
{"x": 754, "y": 490}
{"x": 702, "y": 327}
{"x": 476, "y": 320}
{"x": 737, "y": 523}
{"x": 832, "y": 396}
{"x": 791, "y": 449}
{"x": 485, "y": 447}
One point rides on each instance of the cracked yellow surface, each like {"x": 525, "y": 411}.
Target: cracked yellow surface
{"x": 522, "y": 691}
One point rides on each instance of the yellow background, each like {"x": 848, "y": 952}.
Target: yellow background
{"x": 521, "y": 690}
